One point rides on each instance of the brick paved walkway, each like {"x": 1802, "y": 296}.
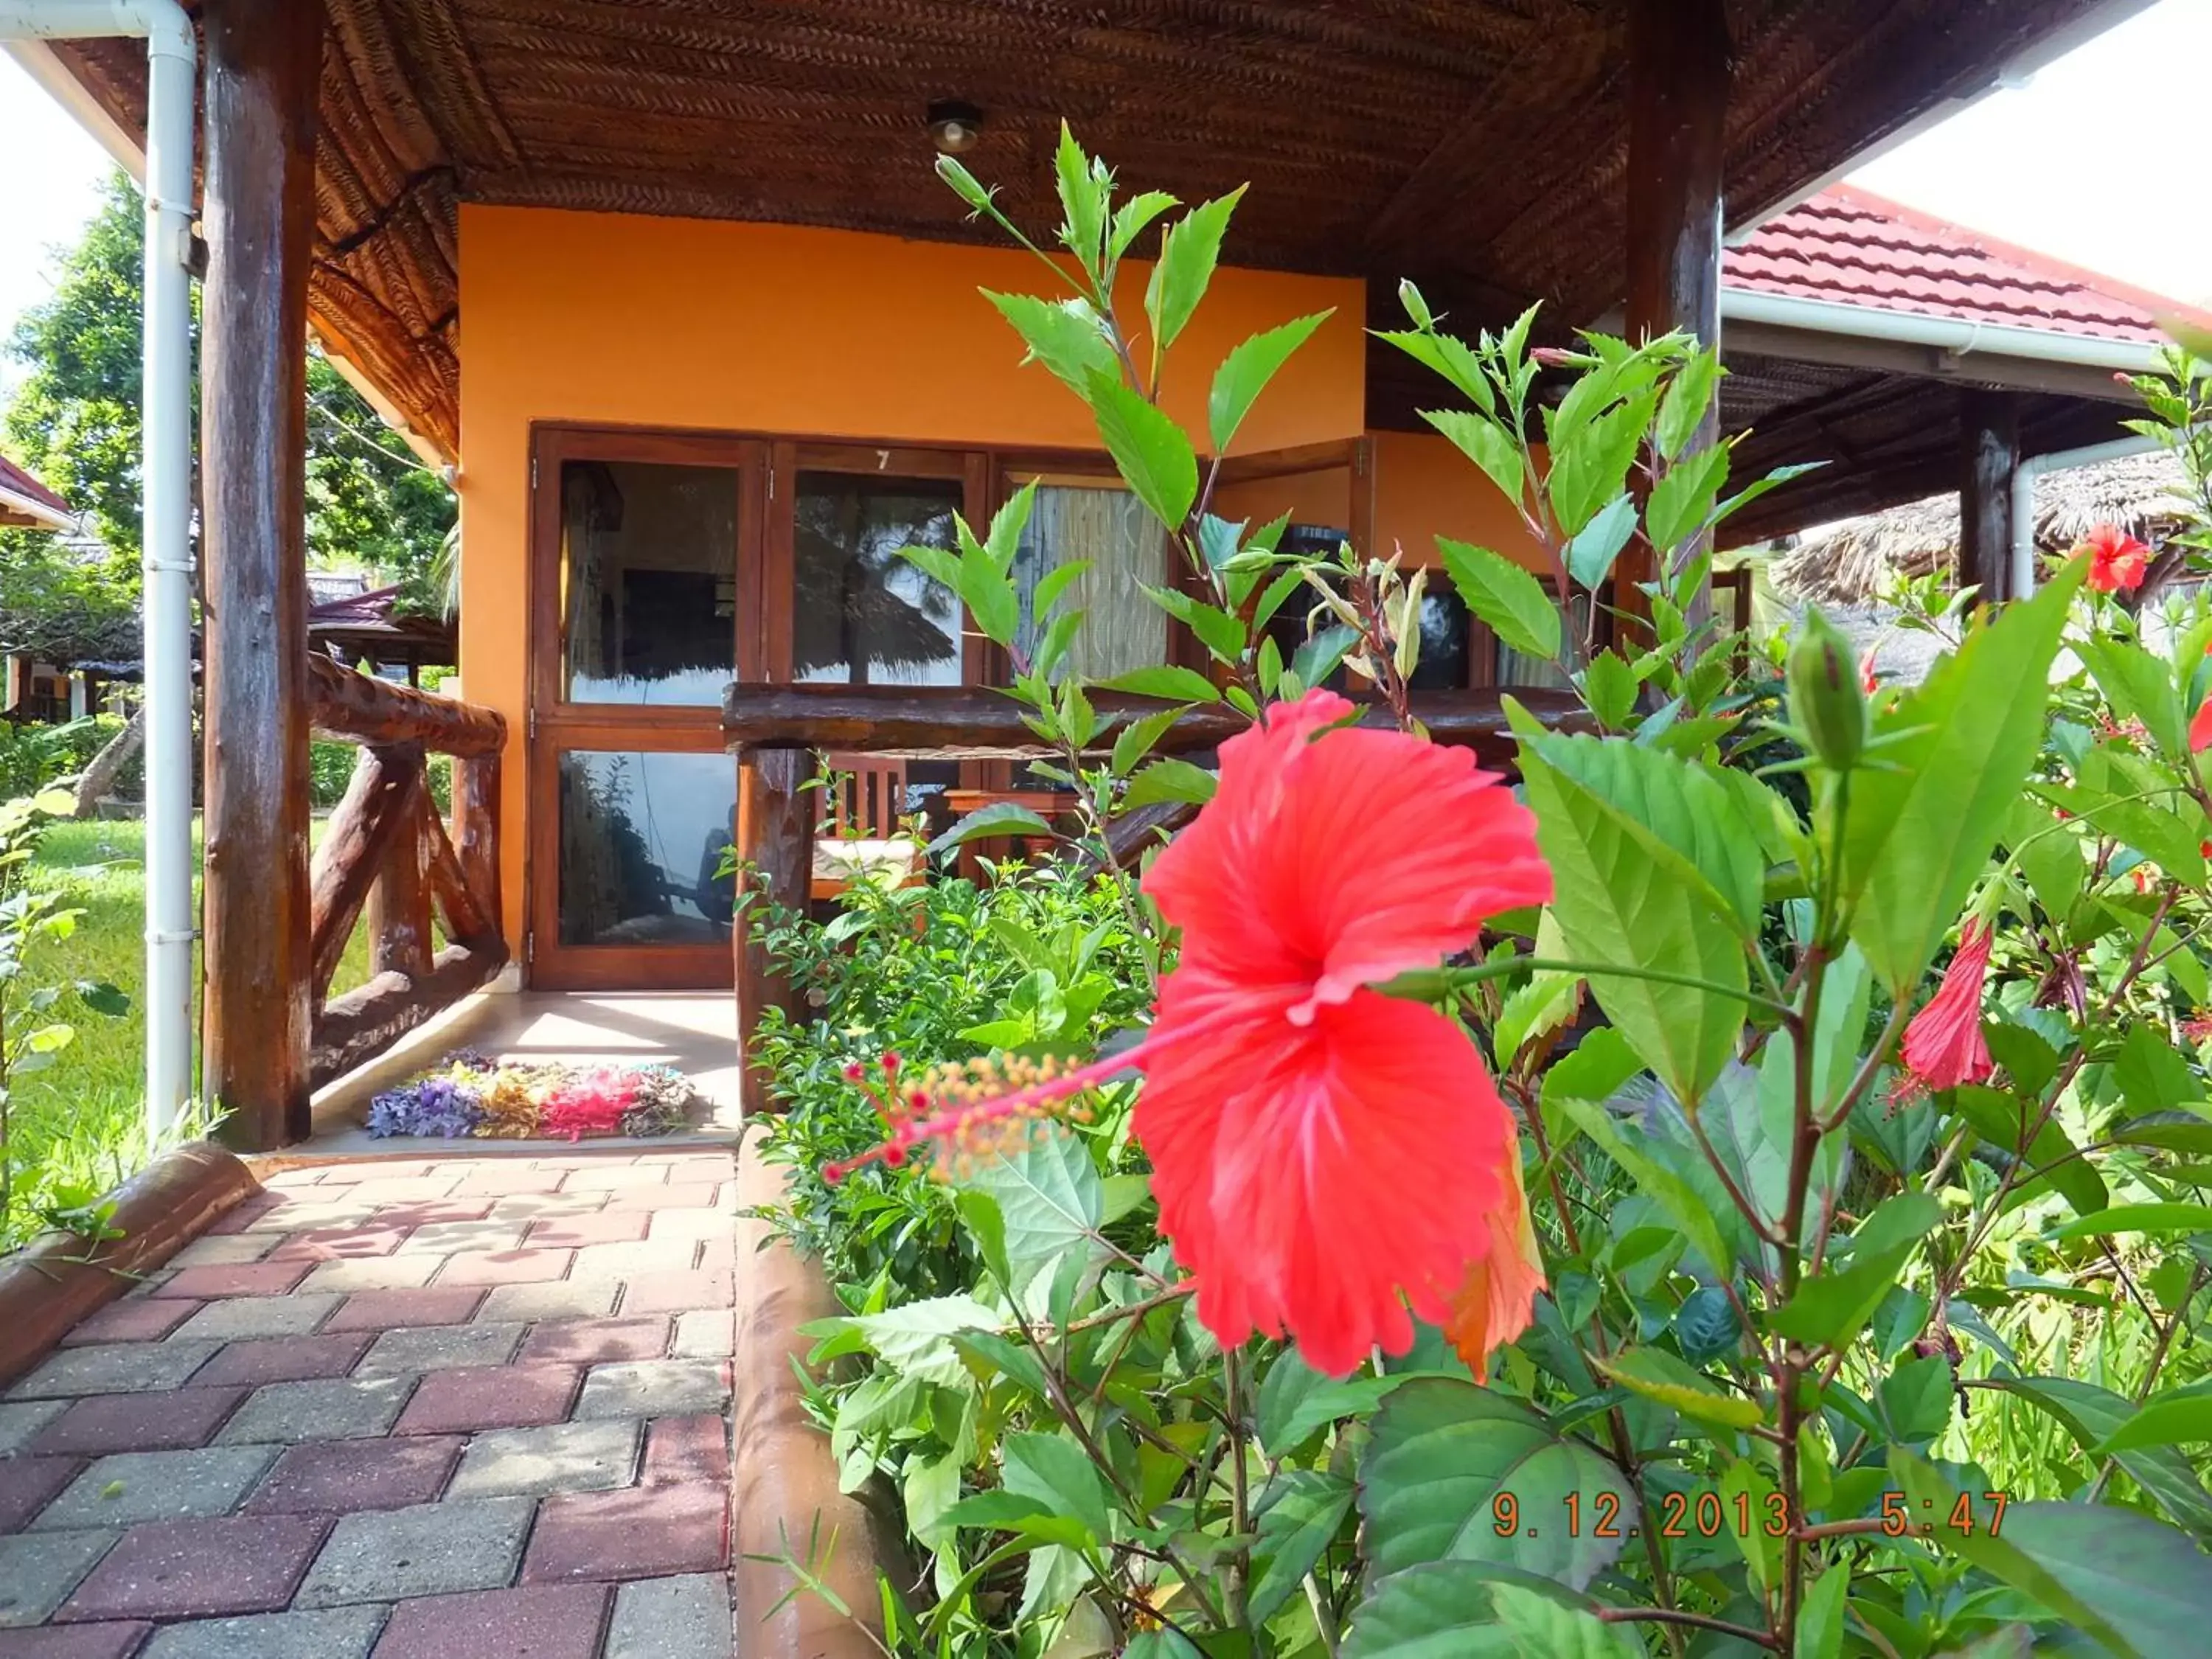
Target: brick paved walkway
{"x": 473, "y": 1406}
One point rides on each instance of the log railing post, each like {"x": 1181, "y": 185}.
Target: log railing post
{"x": 399, "y": 902}
{"x": 388, "y": 849}
{"x": 776, "y": 837}
{"x": 264, "y": 69}
{"x": 379, "y": 804}
{"x": 476, "y": 828}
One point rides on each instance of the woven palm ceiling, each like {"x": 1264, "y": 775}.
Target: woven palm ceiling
{"x": 1479, "y": 145}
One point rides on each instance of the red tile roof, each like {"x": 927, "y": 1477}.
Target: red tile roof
{"x": 16, "y": 481}
{"x": 1852, "y": 248}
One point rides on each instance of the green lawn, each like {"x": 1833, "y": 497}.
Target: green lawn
{"x": 80, "y": 1122}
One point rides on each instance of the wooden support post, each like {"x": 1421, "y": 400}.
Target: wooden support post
{"x": 264, "y": 69}
{"x": 775, "y": 835}
{"x": 1989, "y": 439}
{"x": 467, "y": 923}
{"x": 1678, "y": 70}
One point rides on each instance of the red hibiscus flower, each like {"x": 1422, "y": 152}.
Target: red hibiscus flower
{"x": 1327, "y": 1148}
{"x": 1329, "y": 1162}
{"x": 1943, "y": 1045}
{"x": 1497, "y": 1299}
{"x": 1868, "y": 681}
{"x": 2200, "y": 728}
{"x": 2117, "y": 560}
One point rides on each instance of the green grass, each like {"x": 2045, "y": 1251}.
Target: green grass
{"x": 79, "y": 1124}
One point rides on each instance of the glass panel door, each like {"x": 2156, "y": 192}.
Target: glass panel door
{"x": 645, "y": 606}
{"x": 860, "y": 615}
{"x": 641, "y": 841}
{"x": 648, "y": 579}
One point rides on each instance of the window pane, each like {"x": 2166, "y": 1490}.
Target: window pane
{"x": 1109, "y": 528}
{"x": 1288, "y": 626}
{"x": 649, "y": 564}
{"x": 860, "y": 614}
{"x": 640, "y": 836}
{"x": 1442, "y": 666}
{"x": 1515, "y": 669}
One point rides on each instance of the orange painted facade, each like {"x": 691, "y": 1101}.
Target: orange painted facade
{"x": 783, "y": 330}
{"x": 1424, "y": 488}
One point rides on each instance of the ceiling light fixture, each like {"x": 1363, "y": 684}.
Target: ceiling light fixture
{"x": 954, "y": 126}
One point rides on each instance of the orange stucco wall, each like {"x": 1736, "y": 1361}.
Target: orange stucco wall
{"x": 781, "y": 328}
{"x": 1424, "y": 488}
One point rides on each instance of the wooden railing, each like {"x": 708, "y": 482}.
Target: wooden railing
{"x": 978, "y": 723}
{"x": 388, "y": 850}
{"x": 771, "y": 728}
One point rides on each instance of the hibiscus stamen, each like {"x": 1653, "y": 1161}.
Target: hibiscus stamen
{"x": 968, "y": 1110}
{"x": 988, "y": 1105}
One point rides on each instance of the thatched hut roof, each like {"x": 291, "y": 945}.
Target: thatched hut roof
{"x": 1851, "y": 563}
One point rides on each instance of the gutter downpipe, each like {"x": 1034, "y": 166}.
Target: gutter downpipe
{"x": 172, "y": 51}
{"x": 2023, "y": 495}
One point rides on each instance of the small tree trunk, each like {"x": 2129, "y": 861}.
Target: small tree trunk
{"x": 99, "y": 777}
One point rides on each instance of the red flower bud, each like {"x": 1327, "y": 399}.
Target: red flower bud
{"x": 1943, "y": 1045}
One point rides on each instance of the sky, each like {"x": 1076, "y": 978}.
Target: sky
{"x": 2075, "y": 163}
{"x": 54, "y": 174}
{"x": 2092, "y": 160}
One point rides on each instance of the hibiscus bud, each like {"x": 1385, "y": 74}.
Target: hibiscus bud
{"x": 1827, "y": 699}
{"x": 1407, "y": 626}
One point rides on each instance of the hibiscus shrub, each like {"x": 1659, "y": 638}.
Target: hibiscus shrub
{"x": 1563, "y": 1220}
{"x": 1040, "y": 956}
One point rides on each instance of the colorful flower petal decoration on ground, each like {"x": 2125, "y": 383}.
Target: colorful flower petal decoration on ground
{"x": 2117, "y": 560}
{"x": 1330, "y": 1163}
{"x": 489, "y": 1099}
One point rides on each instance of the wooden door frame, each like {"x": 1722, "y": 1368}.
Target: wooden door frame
{"x": 767, "y": 467}
{"x": 555, "y": 725}
{"x": 789, "y": 456}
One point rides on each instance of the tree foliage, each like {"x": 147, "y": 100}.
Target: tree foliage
{"x": 74, "y": 421}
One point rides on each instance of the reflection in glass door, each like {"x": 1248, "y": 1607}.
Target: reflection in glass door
{"x": 641, "y": 842}
{"x": 860, "y": 615}
{"x": 648, "y": 572}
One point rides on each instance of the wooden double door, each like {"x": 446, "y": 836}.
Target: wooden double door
{"x": 665, "y": 565}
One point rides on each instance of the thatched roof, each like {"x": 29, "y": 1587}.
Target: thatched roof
{"x": 1478, "y": 144}
{"x": 1851, "y": 563}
